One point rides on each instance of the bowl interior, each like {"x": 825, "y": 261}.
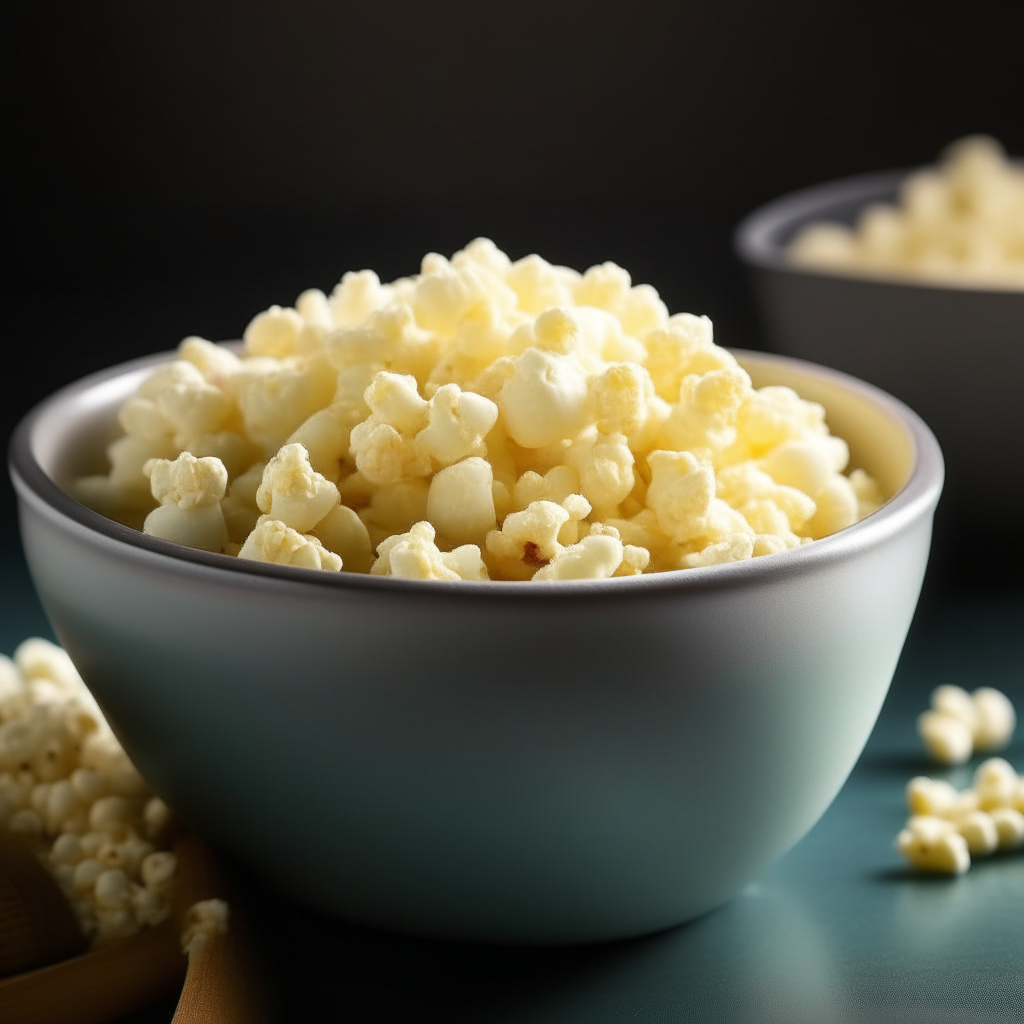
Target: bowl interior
{"x": 879, "y": 444}
{"x": 71, "y": 434}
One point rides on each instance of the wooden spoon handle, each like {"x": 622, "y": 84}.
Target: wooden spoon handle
{"x": 216, "y": 990}
{"x": 221, "y": 986}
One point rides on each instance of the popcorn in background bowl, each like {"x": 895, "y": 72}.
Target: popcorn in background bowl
{"x": 949, "y": 346}
{"x": 485, "y": 419}
{"x": 961, "y": 222}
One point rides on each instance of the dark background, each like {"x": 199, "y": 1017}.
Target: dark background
{"x": 174, "y": 168}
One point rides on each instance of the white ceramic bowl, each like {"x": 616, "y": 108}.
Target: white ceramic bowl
{"x": 573, "y": 761}
{"x": 954, "y": 354}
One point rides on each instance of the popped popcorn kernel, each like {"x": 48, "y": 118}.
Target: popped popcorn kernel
{"x": 947, "y": 738}
{"x": 930, "y": 796}
{"x": 292, "y": 492}
{"x": 274, "y": 541}
{"x": 189, "y": 491}
{"x": 995, "y": 719}
{"x": 273, "y": 333}
{"x": 460, "y": 501}
{"x": 467, "y": 396}
{"x": 458, "y": 422}
{"x": 414, "y": 555}
{"x": 544, "y": 401}
{"x": 680, "y": 494}
{"x": 204, "y": 921}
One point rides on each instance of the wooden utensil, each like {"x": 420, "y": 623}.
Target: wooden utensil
{"x": 37, "y": 927}
{"x": 37, "y": 924}
{"x": 220, "y": 987}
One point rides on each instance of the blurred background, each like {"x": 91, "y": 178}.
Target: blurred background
{"x": 174, "y": 168}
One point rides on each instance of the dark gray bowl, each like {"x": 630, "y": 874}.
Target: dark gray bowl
{"x": 954, "y": 355}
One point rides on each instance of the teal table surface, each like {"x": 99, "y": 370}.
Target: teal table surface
{"x": 840, "y": 929}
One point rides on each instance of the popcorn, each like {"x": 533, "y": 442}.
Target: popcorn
{"x": 457, "y": 424}
{"x": 596, "y": 557}
{"x": 292, "y": 492}
{"x": 69, "y": 789}
{"x": 529, "y": 540}
{"x": 987, "y": 817}
{"x": 980, "y": 820}
{"x": 960, "y": 723}
{"x": 932, "y": 844}
{"x": 961, "y": 223}
{"x": 544, "y": 401}
{"x": 460, "y": 501}
{"x": 544, "y": 424}
{"x": 273, "y": 333}
{"x": 681, "y": 491}
{"x": 274, "y": 541}
{"x": 205, "y": 920}
{"x": 189, "y": 491}
{"x": 344, "y": 533}
{"x": 415, "y": 556}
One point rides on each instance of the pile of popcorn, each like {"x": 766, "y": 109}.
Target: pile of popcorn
{"x": 947, "y": 828}
{"x": 68, "y": 788}
{"x": 959, "y": 223}
{"x": 485, "y": 419}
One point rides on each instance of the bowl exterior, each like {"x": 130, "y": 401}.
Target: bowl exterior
{"x": 517, "y": 768}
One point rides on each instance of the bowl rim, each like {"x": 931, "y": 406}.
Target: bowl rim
{"x": 756, "y": 237}
{"x": 917, "y": 498}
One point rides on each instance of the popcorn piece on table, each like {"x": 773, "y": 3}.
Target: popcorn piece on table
{"x": 960, "y": 722}
{"x": 984, "y": 817}
{"x": 932, "y": 844}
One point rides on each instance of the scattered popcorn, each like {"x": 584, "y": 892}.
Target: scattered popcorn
{"x": 484, "y": 419}
{"x": 961, "y": 223}
{"x": 67, "y": 786}
{"x": 946, "y": 828}
{"x": 960, "y": 723}
{"x": 932, "y": 844}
